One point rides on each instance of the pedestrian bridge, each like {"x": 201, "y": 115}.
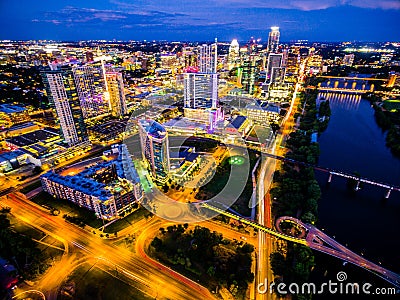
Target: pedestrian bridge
{"x": 312, "y": 237}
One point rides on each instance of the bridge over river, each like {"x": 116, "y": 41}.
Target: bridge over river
{"x": 314, "y": 238}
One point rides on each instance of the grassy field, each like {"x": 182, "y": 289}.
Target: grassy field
{"x": 91, "y": 282}
{"x": 220, "y": 179}
{"x": 69, "y": 208}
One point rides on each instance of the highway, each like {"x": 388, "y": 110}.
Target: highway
{"x": 152, "y": 275}
{"x": 266, "y": 243}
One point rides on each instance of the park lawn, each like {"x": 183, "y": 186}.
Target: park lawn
{"x": 220, "y": 179}
{"x": 94, "y": 283}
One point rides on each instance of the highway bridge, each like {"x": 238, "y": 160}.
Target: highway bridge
{"x": 315, "y": 239}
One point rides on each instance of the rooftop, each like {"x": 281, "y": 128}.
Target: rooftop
{"x": 11, "y": 109}
{"x": 6, "y": 156}
{"x": 153, "y": 128}
{"x": 85, "y": 183}
{"x": 238, "y": 121}
{"x": 33, "y": 137}
{"x": 264, "y": 106}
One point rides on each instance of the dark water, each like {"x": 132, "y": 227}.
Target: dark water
{"x": 362, "y": 220}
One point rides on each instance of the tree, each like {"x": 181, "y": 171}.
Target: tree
{"x": 247, "y": 248}
{"x": 156, "y": 243}
{"x": 309, "y": 218}
{"x": 278, "y": 263}
{"x": 275, "y": 127}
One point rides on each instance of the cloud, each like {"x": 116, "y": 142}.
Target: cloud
{"x": 308, "y": 5}
{"x": 78, "y": 15}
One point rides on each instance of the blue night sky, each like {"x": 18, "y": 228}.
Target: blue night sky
{"x": 315, "y": 20}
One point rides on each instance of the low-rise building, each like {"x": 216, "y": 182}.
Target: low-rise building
{"x": 17, "y": 114}
{"x": 108, "y": 188}
{"x": 239, "y": 124}
{"x": 263, "y": 112}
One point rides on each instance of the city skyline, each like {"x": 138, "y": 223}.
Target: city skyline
{"x": 222, "y": 149}
{"x": 155, "y": 20}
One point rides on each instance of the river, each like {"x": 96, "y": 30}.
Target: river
{"x": 363, "y": 220}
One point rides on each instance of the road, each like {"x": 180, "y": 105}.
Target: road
{"x": 152, "y": 275}
{"x": 266, "y": 243}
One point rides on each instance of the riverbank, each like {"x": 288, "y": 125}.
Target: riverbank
{"x": 387, "y": 117}
{"x": 364, "y": 221}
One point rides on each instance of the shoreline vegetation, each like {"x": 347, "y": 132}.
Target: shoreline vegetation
{"x": 295, "y": 191}
{"x": 389, "y": 121}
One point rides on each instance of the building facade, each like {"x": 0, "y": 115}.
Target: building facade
{"x": 108, "y": 188}
{"x": 248, "y": 75}
{"x": 63, "y": 97}
{"x": 155, "y": 145}
{"x": 273, "y": 40}
{"x": 233, "y": 55}
{"x": 200, "y": 90}
{"x": 275, "y": 71}
{"x": 90, "y": 90}
{"x": 263, "y": 113}
{"x": 115, "y": 87}
{"x": 207, "y": 58}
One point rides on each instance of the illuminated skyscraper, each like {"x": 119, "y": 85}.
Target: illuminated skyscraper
{"x": 275, "y": 69}
{"x": 233, "y": 56}
{"x": 63, "y": 97}
{"x": 90, "y": 90}
{"x": 273, "y": 40}
{"x": 115, "y": 89}
{"x": 248, "y": 75}
{"x": 200, "y": 90}
{"x": 207, "y": 58}
{"x": 155, "y": 148}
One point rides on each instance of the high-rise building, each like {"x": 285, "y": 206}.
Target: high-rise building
{"x": 248, "y": 75}
{"x": 63, "y": 97}
{"x": 115, "y": 89}
{"x": 273, "y": 40}
{"x": 189, "y": 58}
{"x": 200, "y": 90}
{"x": 233, "y": 55}
{"x": 90, "y": 90}
{"x": 275, "y": 60}
{"x": 278, "y": 75}
{"x": 155, "y": 148}
{"x": 207, "y": 58}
